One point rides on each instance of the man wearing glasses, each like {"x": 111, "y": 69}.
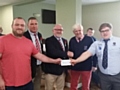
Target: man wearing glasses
{"x": 108, "y": 52}
{"x": 56, "y": 47}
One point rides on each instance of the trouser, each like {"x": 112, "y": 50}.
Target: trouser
{"x": 51, "y": 80}
{"x": 95, "y": 78}
{"x": 109, "y": 82}
{"x": 85, "y": 78}
{"x": 37, "y": 79}
{"x": 28, "y": 86}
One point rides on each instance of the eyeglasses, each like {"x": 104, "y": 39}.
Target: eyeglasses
{"x": 58, "y": 29}
{"x": 107, "y": 30}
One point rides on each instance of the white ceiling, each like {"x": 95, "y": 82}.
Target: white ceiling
{"x": 84, "y": 2}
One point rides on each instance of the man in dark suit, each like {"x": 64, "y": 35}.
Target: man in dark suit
{"x": 36, "y": 37}
{"x": 56, "y": 47}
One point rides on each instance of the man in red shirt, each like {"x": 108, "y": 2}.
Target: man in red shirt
{"x": 15, "y": 53}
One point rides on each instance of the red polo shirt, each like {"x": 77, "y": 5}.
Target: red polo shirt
{"x": 15, "y": 61}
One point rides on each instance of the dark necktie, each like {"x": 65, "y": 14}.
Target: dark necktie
{"x": 61, "y": 44}
{"x": 105, "y": 55}
{"x": 37, "y": 43}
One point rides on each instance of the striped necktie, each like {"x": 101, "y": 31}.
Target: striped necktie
{"x": 37, "y": 43}
{"x": 61, "y": 44}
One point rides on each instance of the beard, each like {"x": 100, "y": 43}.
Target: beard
{"x": 18, "y": 34}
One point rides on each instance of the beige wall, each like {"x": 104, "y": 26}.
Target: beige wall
{"x": 0, "y": 17}
{"x": 94, "y": 15}
{"x": 68, "y": 13}
{"x": 6, "y": 17}
{"x": 27, "y": 11}
{"x": 66, "y": 16}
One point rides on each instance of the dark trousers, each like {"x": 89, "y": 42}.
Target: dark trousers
{"x": 28, "y": 86}
{"x": 37, "y": 79}
{"x": 109, "y": 82}
{"x": 95, "y": 78}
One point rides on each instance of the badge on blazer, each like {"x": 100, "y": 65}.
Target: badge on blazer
{"x": 114, "y": 43}
{"x": 99, "y": 46}
{"x": 41, "y": 40}
{"x": 65, "y": 43}
{"x": 85, "y": 47}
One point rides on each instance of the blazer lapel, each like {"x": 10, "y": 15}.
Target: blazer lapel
{"x": 28, "y": 35}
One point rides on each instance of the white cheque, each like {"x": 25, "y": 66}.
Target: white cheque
{"x": 65, "y": 62}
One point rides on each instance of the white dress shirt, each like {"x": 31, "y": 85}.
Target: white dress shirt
{"x": 33, "y": 40}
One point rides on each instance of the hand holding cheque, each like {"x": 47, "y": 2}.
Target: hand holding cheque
{"x": 67, "y": 62}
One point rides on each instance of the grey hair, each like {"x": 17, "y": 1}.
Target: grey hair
{"x": 75, "y": 26}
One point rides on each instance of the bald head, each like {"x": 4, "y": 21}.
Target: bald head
{"x": 58, "y": 26}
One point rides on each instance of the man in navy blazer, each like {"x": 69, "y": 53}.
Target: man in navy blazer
{"x": 56, "y": 47}
{"x": 35, "y": 64}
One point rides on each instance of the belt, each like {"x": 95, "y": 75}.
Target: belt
{"x": 38, "y": 65}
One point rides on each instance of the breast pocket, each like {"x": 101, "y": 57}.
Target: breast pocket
{"x": 114, "y": 51}
{"x": 99, "y": 51}
{"x": 85, "y": 47}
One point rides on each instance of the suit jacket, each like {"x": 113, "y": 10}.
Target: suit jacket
{"x": 54, "y": 50}
{"x": 33, "y": 60}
